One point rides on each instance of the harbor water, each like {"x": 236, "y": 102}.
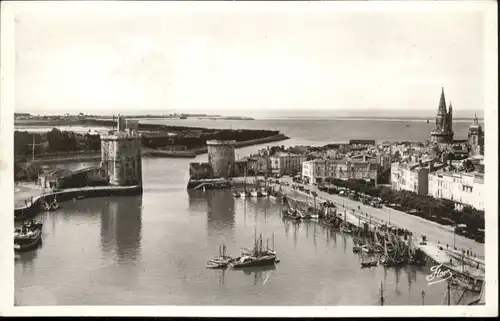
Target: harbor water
{"x": 152, "y": 250}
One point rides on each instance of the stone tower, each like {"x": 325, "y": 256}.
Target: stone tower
{"x": 121, "y": 155}
{"x": 476, "y": 138}
{"x": 221, "y": 158}
{"x": 443, "y": 133}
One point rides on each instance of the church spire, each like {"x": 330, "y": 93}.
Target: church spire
{"x": 442, "y": 104}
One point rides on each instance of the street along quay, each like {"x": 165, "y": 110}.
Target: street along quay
{"x": 462, "y": 262}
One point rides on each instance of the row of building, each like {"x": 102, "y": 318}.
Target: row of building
{"x": 458, "y": 178}
{"x": 458, "y": 184}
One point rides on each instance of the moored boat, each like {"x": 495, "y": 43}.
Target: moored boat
{"x": 257, "y": 257}
{"x": 345, "y": 229}
{"x": 54, "y": 205}
{"x": 367, "y": 248}
{"x": 236, "y": 194}
{"x": 27, "y": 237}
{"x": 222, "y": 261}
{"x": 255, "y": 193}
{"x": 369, "y": 264}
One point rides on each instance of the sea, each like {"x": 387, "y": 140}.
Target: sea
{"x": 152, "y": 249}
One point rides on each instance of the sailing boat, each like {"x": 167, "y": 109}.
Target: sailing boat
{"x": 245, "y": 193}
{"x": 54, "y": 205}
{"x": 370, "y": 263}
{"x": 343, "y": 227}
{"x": 357, "y": 246}
{"x": 257, "y": 257}
{"x": 377, "y": 247}
{"x": 222, "y": 261}
{"x": 255, "y": 192}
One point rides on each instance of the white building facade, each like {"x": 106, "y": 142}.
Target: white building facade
{"x": 318, "y": 170}
{"x": 459, "y": 187}
{"x": 286, "y": 163}
{"x": 413, "y": 178}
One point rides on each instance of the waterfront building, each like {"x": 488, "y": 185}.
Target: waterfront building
{"x": 321, "y": 170}
{"x": 476, "y": 138}
{"x": 443, "y": 133}
{"x": 257, "y": 165}
{"x": 283, "y": 163}
{"x": 463, "y": 188}
{"x": 411, "y": 177}
{"x": 121, "y": 155}
{"x": 314, "y": 171}
{"x": 221, "y": 157}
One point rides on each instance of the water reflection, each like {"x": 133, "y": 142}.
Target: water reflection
{"x": 27, "y": 259}
{"x": 220, "y": 212}
{"x": 121, "y": 227}
{"x": 220, "y": 209}
{"x": 261, "y": 274}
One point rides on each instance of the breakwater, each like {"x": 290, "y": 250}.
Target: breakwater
{"x": 33, "y": 205}
{"x": 84, "y": 156}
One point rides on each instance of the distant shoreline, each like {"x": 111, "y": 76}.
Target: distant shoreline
{"x": 103, "y": 121}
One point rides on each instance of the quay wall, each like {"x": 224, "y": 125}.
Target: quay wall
{"x": 33, "y": 207}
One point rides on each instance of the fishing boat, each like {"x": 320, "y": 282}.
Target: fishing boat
{"x": 236, "y": 194}
{"x": 367, "y": 248}
{"x": 371, "y": 263}
{"x": 394, "y": 260}
{"x": 255, "y": 193}
{"x": 27, "y": 238}
{"x": 222, "y": 261}
{"x": 44, "y": 206}
{"x": 263, "y": 192}
{"x": 34, "y": 224}
{"x": 54, "y": 205}
{"x": 292, "y": 214}
{"x": 344, "y": 228}
{"x": 303, "y": 216}
{"x": 257, "y": 257}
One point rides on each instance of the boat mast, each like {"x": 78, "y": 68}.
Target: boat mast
{"x": 33, "y": 149}
{"x": 245, "y": 182}
{"x": 448, "y": 292}
{"x": 381, "y": 293}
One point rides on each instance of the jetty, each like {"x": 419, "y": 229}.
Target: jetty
{"x": 32, "y": 205}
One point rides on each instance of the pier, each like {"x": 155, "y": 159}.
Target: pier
{"x": 32, "y": 204}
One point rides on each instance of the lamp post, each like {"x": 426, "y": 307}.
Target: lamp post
{"x": 454, "y": 230}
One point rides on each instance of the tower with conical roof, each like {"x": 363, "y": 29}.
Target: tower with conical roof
{"x": 443, "y": 133}
{"x": 476, "y": 138}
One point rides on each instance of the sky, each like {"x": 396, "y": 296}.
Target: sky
{"x": 159, "y": 58}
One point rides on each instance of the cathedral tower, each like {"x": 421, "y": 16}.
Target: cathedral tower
{"x": 443, "y": 133}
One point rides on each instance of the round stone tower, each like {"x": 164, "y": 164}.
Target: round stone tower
{"x": 221, "y": 157}
{"x": 121, "y": 156}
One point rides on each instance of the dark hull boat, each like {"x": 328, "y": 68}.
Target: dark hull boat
{"x": 257, "y": 257}
{"x": 27, "y": 239}
{"x": 251, "y": 261}
{"x": 369, "y": 264}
